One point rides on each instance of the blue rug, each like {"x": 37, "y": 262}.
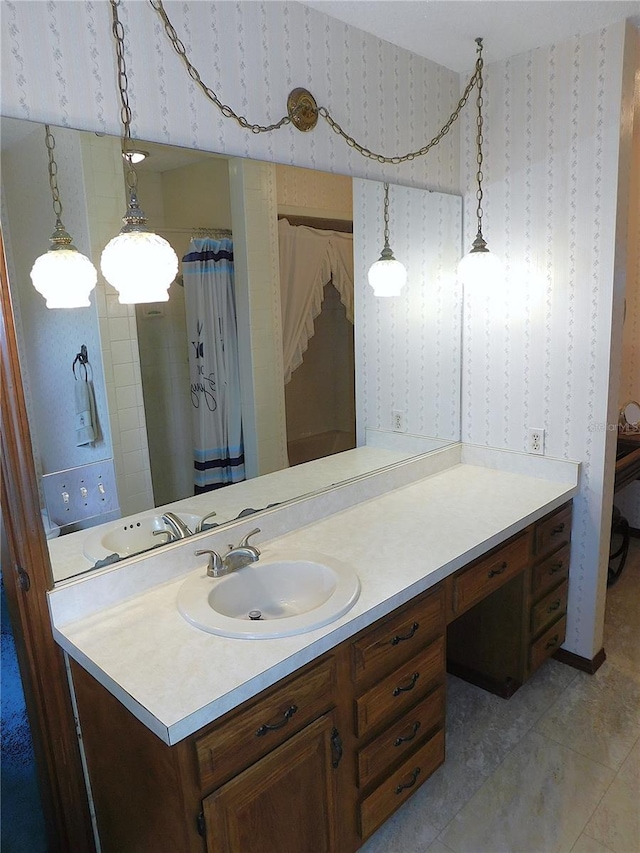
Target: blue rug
{"x": 22, "y": 828}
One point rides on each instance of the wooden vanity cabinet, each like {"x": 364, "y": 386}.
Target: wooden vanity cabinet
{"x": 317, "y": 762}
{"x": 285, "y": 802}
{"x": 399, "y": 706}
{"x": 506, "y": 612}
{"x": 263, "y": 778}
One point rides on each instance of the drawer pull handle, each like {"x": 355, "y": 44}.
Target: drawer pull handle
{"x": 336, "y": 747}
{"x": 556, "y": 567}
{"x": 554, "y": 606}
{"x": 410, "y": 686}
{"x": 399, "y": 637}
{"x": 404, "y": 738}
{"x": 267, "y": 727}
{"x": 499, "y": 571}
{"x": 557, "y": 529}
{"x": 410, "y": 783}
{"x": 552, "y": 642}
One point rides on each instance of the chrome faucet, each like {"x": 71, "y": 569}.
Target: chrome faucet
{"x": 242, "y": 554}
{"x": 176, "y": 526}
{"x": 235, "y": 558}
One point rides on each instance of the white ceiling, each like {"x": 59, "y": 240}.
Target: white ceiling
{"x": 444, "y": 30}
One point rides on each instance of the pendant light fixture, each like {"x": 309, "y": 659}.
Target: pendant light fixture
{"x": 140, "y": 264}
{"x": 387, "y": 276}
{"x": 479, "y": 266}
{"x": 63, "y": 275}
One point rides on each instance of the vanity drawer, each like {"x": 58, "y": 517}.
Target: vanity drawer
{"x": 401, "y": 738}
{"x": 552, "y": 532}
{"x": 399, "y": 636}
{"x": 550, "y": 571}
{"x": 247, "y": 735}
{"x": 547, "y": 610}
{"x": 398, "y": 787}
{"x": 401, "y": 689}
{"x": 547, "y": 644}
{"x": 488, "y": 574}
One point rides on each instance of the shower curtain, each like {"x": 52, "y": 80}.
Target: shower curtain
{"x": 218, "y": 451}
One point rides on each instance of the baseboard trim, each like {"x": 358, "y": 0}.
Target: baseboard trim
{"x": 589, "y": 665}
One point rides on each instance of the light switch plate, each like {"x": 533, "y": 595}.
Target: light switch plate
{"x": 79, "y": 493}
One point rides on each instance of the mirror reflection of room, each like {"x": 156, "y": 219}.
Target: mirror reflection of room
{"x": 321, "y": 361}
{"x": 186, "y": 195}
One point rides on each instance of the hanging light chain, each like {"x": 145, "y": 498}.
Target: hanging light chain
{"x": 380, "y": 158}
{"x": 479, "y": 136}
{"x": 386, "y": 216}
{"x": 123, "y": 85}
{"x": 178, "y": 45}
{"x": 193, "y": 72}
{"x": 50, "y": 142}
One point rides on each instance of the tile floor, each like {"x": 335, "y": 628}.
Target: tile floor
{"x": 555, "y": 768}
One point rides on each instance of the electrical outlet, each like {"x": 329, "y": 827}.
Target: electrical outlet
{"x": 397, "y": 421}
{"x": 536, "y": 441}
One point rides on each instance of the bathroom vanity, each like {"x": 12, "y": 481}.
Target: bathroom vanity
{"x": 309, "y": 743}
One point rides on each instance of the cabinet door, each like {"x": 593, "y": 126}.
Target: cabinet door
{"x": 285, "y": 802}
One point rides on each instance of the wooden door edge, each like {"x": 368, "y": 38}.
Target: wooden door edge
{"x": 41, "y": 662}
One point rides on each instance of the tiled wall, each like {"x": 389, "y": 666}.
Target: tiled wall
{"x": 255, "y": 252}
{"x": 50, "y": 338}
{"x": 106, "y": 203}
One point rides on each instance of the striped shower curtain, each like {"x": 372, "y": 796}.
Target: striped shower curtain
{"x": 218, "y": 451}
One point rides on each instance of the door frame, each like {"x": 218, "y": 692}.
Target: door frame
{"x": 27, "y": 577}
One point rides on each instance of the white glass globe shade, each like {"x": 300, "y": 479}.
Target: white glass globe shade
{"x": 480, "y": 269}
{"x": 140, "y": 265}
{"x": 65, "y": 278}
{"x": 387, "y": 277}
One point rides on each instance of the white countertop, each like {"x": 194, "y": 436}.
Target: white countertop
{"x": 66, "y": 552}
{"x": 176, "y": 678}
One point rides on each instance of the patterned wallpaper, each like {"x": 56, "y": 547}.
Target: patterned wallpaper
{"x": 535, "y": 355}
{"x": 252, "y": 54}
{"x": 408, "y": 347}
{"x": 537, "y": 351}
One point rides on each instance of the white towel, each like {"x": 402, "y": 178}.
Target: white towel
{"x": 86, "y": 422}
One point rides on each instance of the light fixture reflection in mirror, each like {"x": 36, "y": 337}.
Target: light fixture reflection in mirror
{"x": 178, "y": 174}
{"x": 64, "y": 276}
{"x": 387, "y": 276}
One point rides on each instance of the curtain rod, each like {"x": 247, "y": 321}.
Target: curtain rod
{"x": 197, "y": 232}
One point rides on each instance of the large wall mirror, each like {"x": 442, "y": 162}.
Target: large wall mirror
{"x": 326, "y": 371}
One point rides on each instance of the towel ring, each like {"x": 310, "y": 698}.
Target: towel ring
{"x": 82, "y": 359}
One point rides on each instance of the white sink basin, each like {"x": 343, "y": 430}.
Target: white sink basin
{"x": 286, "y": 593}
{"x": 130, "y": 536}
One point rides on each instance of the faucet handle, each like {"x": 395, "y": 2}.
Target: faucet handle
{"x": 164, "y": 532}
{"x": 215, "y": 565}
{"x": 204, "y": 520}
{"x": 244, "y": 542}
